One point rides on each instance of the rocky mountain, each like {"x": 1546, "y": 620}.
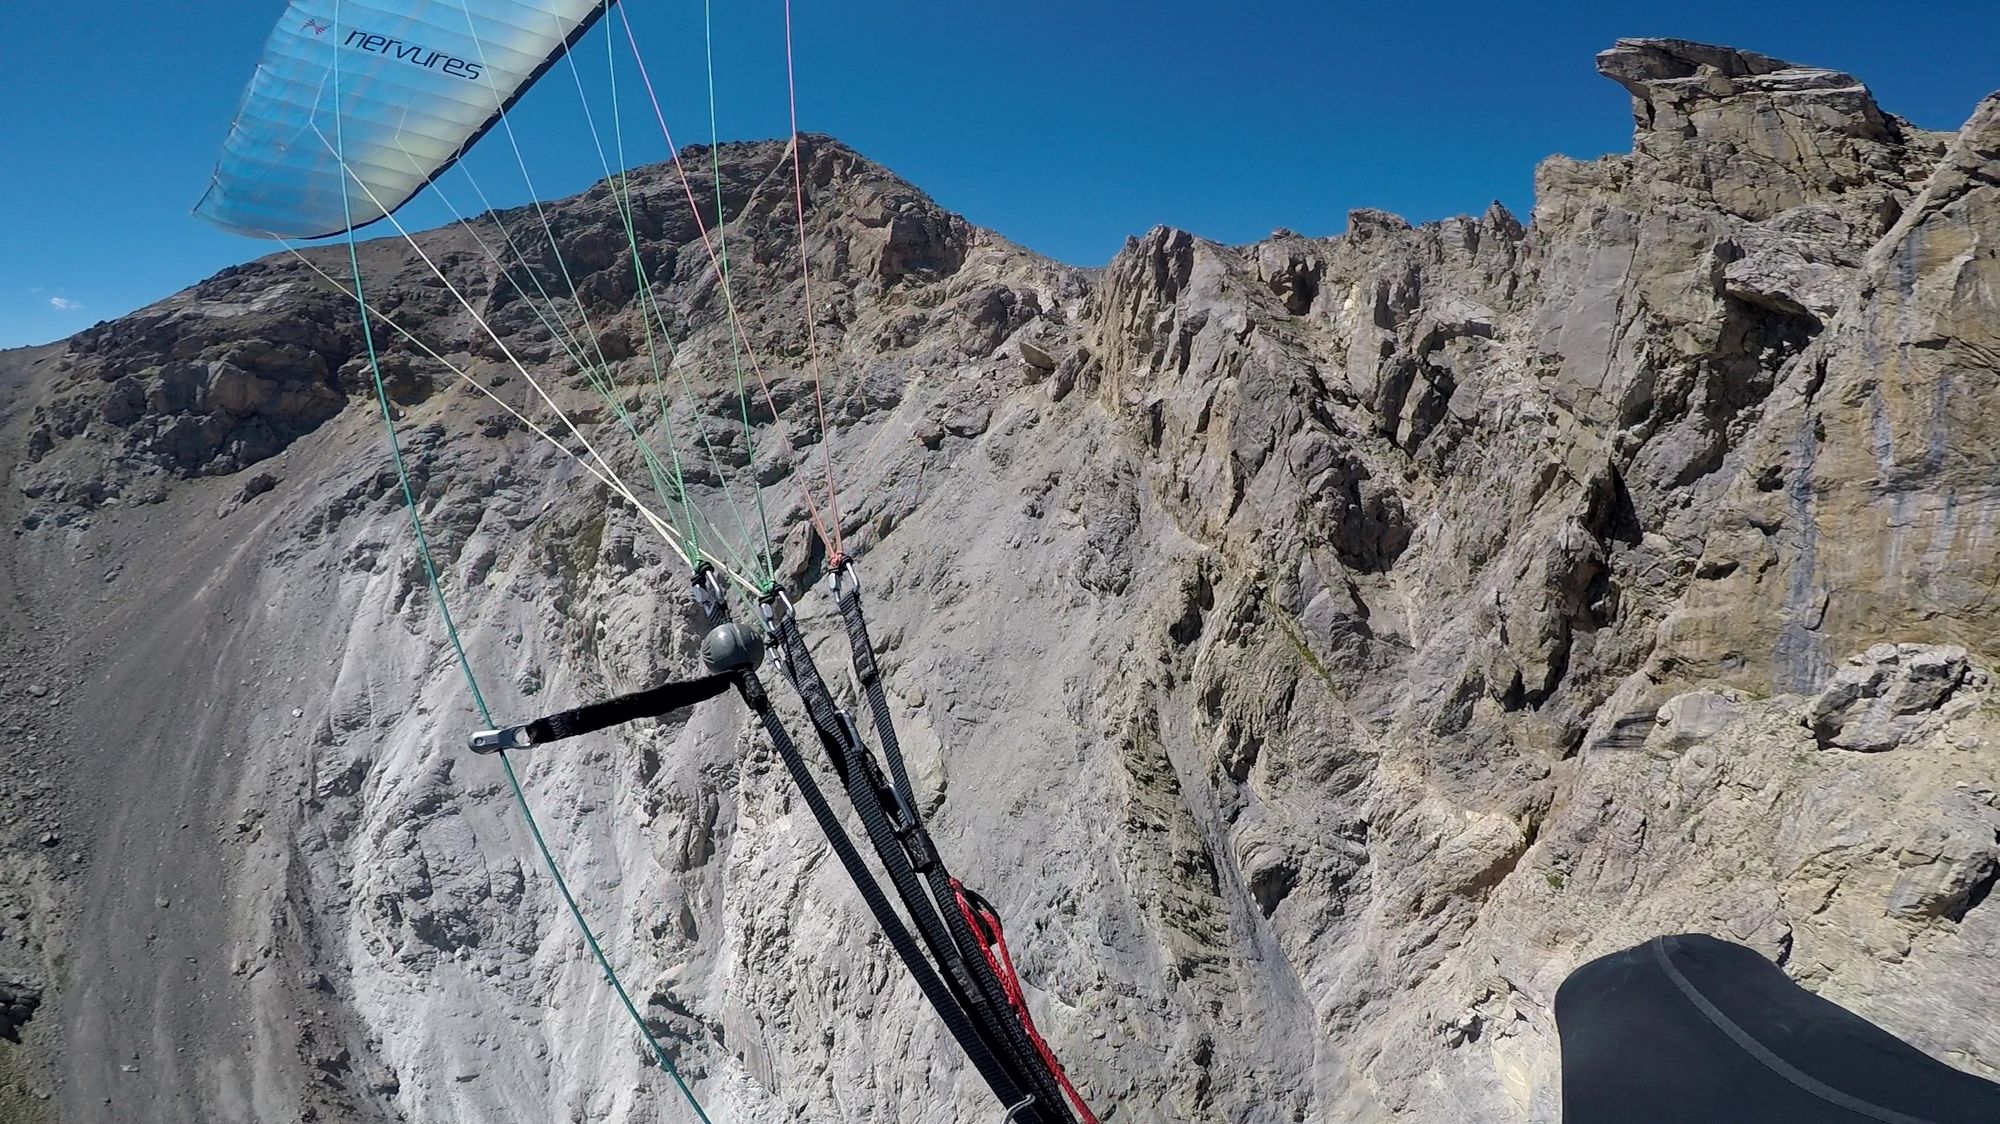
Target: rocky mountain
{"x": 1316, "y": 648}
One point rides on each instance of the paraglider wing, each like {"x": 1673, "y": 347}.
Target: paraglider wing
{"x": 396, "y": 90}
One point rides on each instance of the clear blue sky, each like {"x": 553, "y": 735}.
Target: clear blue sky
{"x": 1064, "y": 124}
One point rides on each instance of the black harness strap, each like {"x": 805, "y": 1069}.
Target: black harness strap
{"x": 847, "y": 594}
{"x": 956, "y": 977}
{"x": 650, "y": 703}
{"x": 590, "y": 718}
{"x": 912, "y": 956}
{"x": 967, "y": 978}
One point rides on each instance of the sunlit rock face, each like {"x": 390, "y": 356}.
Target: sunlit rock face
{"x": 1315, "y": 648}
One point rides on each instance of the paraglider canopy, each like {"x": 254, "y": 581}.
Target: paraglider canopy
{"x": 356, "y": 105}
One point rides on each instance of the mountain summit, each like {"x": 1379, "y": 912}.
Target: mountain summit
{"x": 1316, "y": 647}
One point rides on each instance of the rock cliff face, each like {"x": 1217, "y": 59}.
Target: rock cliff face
{"x": 1316, "y": 647}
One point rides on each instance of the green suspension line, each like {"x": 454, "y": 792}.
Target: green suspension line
{"x": 621, "y": 194}
{"x": 650, "y": 312}
{"x": 560, "y": 329}
{"x": 605, "y": 388}
{"x": 451, "y": 627}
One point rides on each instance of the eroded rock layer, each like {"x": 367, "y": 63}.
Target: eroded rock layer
{"x": 1315, "y": 647}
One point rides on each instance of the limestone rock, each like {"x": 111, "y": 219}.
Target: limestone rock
{"x": 19, "y": 999}
{"x": 1697, "y": 715}
{"x": 1314, "y": 647}
{"x": 1856, "y": 505}
{"x": 1760, "y": 135}
{"x": 1948, "y": 868}
{"x": 1888, "y": 694}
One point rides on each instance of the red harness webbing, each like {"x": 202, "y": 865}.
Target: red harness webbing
{"x": 985, "y": 924}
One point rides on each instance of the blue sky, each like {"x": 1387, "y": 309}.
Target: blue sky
{"x": 1066, "y": 126}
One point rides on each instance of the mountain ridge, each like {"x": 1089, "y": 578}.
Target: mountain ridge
{"x": 1403, "y": 617}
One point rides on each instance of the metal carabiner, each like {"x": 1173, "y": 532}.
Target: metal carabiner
{"x": 765, "y": 603}
{"x": 773, "y": 646}
{"x": 707, "y": 590}
{"x": 500, "y": 740}
{"x": 842, "y": 565}
{"x": 847, "y": 723}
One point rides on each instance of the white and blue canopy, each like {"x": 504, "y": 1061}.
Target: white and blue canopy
{"x": 357, "y": 104}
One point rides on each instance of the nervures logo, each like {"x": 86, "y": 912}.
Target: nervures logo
{"x": 414, "y": 53}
